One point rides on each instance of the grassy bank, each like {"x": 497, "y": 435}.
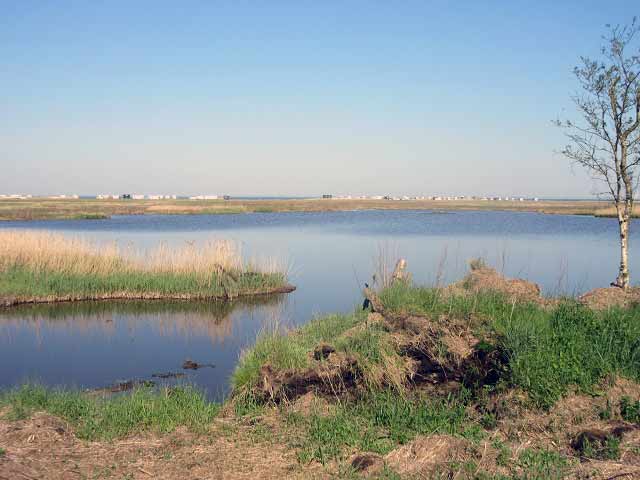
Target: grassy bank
{"x": 490, "y": 370}
{"x": 437, "y": 383}
{"x": 48, "y": 209}
{"x": 96, "y": 418}
{"x": 41, "y": 267}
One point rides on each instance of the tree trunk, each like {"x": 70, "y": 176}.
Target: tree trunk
{"x": 623, "y": 274}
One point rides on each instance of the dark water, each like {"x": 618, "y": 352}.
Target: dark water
{"x": 330, "y": 255}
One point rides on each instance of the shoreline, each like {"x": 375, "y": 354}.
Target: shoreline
{"x": 14, "y": 302}
{"x": 96, "y": 210}
{"x": 427, "y": 383}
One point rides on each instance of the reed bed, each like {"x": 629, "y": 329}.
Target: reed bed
{"x": 44, "y": 266}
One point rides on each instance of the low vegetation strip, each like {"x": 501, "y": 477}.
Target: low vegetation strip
{"x": 77, "y": 209}
{"x": 40, "y": 267}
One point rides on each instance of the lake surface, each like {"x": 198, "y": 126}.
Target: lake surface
{"x": 330, "y": 255}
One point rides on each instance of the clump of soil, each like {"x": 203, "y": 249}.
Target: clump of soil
{"x": 425, "y": 456}
{"x": 605, "y": 298}
{"x": 367, "y": 464}
{"x": 335, "y": 376}
{"x": 482, "y": 278}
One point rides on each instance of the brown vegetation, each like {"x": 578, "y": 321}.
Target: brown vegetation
{"x": 39, "y": 209}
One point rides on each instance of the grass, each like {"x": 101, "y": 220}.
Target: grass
{"x": 549, "y": 350}
{"x": 43, "y": 267}
{"x": 630, "y": 410}
{"x": 370, "y": 346}
{"x": 108, "y": 418}
{"x": 378, "y": 423}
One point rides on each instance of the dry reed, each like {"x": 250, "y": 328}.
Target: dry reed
{"x": 44, "y": 251}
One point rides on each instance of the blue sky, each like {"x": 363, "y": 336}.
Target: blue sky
{"x": 293, "y": 97}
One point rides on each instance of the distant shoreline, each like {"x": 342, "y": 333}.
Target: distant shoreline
{"x": 93, "y": 209}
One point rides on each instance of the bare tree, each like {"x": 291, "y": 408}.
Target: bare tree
{"x": 606, "y": 141}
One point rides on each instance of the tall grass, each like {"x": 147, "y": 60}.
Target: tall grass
{"x": 47, "y": 265}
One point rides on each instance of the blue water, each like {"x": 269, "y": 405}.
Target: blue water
{"x": 330, "y": 256}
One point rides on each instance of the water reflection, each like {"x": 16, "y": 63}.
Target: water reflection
{"x": 166, "y": 318}
{"x": 96, "y": 344}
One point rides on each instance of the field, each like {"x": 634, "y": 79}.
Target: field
{"x": 42, "y": 267}
{"x": 483, "y": 379}
{"x": 41, "y": 209}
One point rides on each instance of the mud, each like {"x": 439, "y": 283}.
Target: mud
{"x": 191, "y": 365}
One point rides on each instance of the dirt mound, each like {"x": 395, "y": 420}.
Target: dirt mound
{"x": 605, "y": 298}
{"x": 482, "y": 278}
{"x": 335, "y": 376}
{"x": 425, "y": 456}
{"x": 437, "y": 351}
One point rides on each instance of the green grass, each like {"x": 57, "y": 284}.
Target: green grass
{"x": 108, "y": 418}
{"x": 630, "y": 410}
{"x": 540, "y": 464}
{"x": 378, "y": 423}
{"x": 289, "y": 350}
{"x": 23, "y": 282}
{"x": 549, "y": 350}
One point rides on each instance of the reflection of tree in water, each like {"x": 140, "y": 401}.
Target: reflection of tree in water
{"x": 185, "y": 318}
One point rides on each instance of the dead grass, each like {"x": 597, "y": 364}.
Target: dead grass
{"x": 44, "y": 447}
{"x": 44, "y": 251}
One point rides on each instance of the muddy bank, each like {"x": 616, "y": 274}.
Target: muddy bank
{"x": 10, "y": 301}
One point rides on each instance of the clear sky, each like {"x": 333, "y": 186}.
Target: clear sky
{"x": 293, "y": 97}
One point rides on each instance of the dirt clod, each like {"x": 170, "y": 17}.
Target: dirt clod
{"x": 367, "y": 464}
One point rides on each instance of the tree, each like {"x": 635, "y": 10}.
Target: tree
{"x": 606, "y": 140}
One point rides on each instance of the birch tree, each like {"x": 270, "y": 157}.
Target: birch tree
{"x": 606, "y": 139}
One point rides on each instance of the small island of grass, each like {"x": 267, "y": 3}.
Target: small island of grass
{"x": 40, "y": 267}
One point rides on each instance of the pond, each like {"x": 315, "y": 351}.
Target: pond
{"x": 329, "y": 256}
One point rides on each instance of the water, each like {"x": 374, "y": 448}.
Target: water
{"x": 331, "y": 255}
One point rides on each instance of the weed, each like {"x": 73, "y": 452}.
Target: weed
{"x": 541, "y": 464}
{"x": 630, "y": 410}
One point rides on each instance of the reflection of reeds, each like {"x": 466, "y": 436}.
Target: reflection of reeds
{"x": 184, "y": 319}
{"x": 40, "y": 266}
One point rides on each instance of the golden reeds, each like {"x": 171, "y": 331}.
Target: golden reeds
{"x": 45, "y": 251}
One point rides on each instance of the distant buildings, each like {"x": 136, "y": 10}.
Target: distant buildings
{"x": 437, "y": 198}
{"x": 204, "y": 197}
